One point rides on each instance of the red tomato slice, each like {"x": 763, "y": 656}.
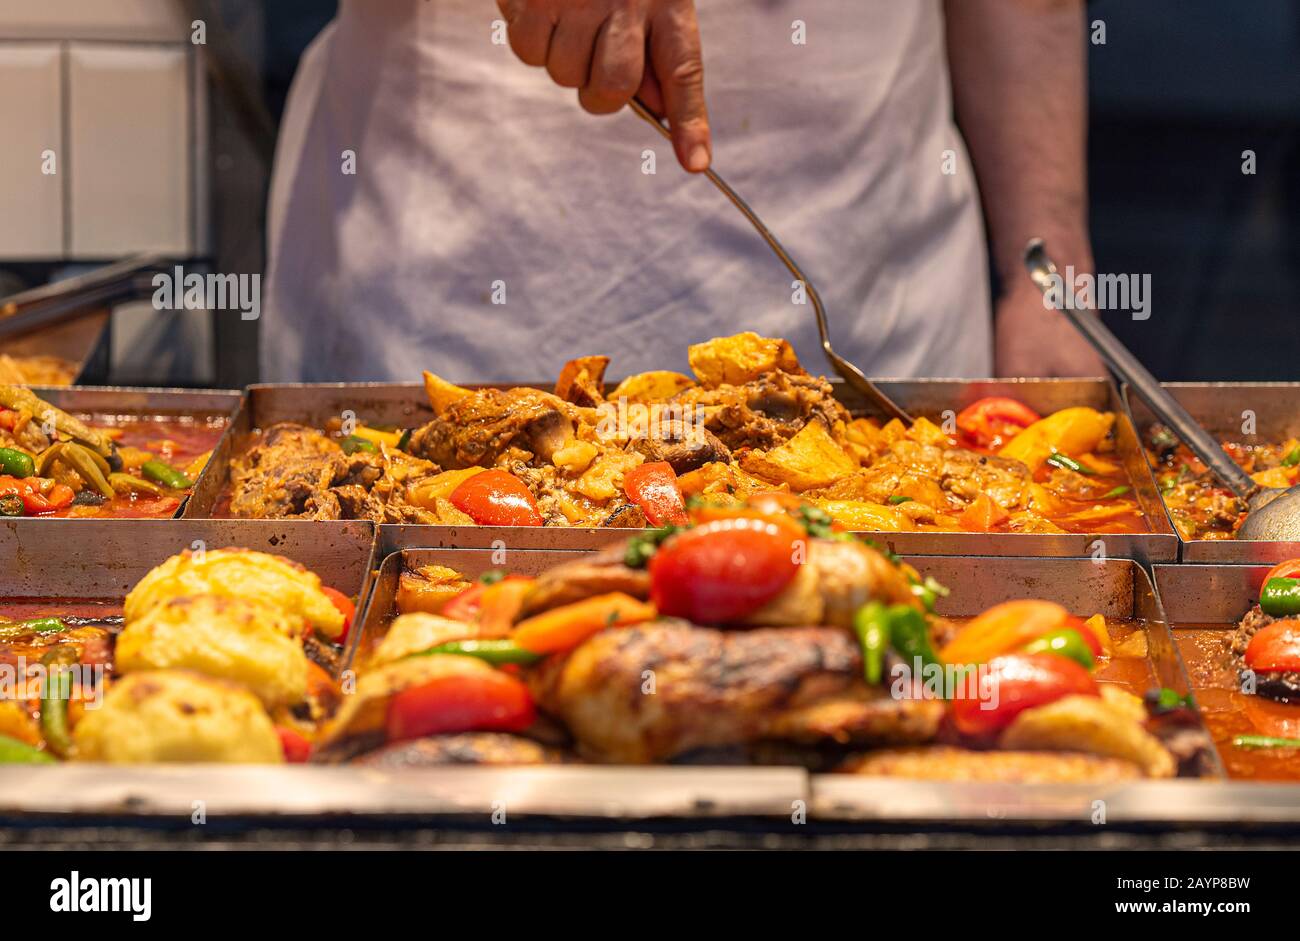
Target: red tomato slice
{"x": 489, "y": 701}
{"x": 1276, "y": 648}
{"x": 58, "y": 497}
{"x": 995, "y": 419}
{"x": 296, "y": 748}
{"x": 465, "y": 606}
{"x": 1288, "y": 569}
{"x": 723, "y": 570}
{"x": 653, "y": 487}
{"x": 344, "y": 606}
{"x": 496, "y": 498}
{"x": 1009, "y": 685}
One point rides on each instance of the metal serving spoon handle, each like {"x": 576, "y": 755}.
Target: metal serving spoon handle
{"x": 851, "y": 374}
{"x": 1274, "y": 513}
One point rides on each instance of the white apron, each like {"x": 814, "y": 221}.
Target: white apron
{"x": 477, "y": 180}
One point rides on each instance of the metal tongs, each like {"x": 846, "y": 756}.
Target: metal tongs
{"x": 852, "y": 375}
{"x": 1274, "y": 513}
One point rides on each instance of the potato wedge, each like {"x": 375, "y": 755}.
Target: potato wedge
{"x": 442, "y": 393}
{"x": 652, "y": 386}
{"x": 810, "y": 459}
{"x": 1093, "y": 725}
{"x": 740, "y": 358}
{"x": 1071, "y": 431}
{"x": 863, "y": 516}
{"x": 428, "y": 588}
{"x": 582, "y": 381}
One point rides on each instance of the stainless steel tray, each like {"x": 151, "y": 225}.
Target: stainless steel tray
{"x": 99, "y": 559}
{"x": 405, "y": 403}
{"x": 1221, "y": 407}
{"x": 83, "y": 341}
{"x": 142, "y": 401}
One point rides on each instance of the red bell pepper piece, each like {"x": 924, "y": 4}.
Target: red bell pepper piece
{"x": 296, "y": 748}
{"x": 460, "y": 702}
{"x": 343, "y": 604}
{"x": 653, "y": 487}
{"x": 497, "y": 498}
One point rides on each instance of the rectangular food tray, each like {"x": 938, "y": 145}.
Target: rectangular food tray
{"x": 107, "y": 565}
{"x": 130, "y": 402}
{"x": 406, "y": 404}
{"x": 1223, "y": 408}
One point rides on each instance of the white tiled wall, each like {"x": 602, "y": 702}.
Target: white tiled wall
{"x": 129, "y": 140}
{"x": 31, "y": 224}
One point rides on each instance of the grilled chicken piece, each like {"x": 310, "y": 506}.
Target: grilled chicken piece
{"x": 651, "y": 692}
{"x": 479, "y": 427}
{"x": 467, "y": 748}
{"x": 943, "y": 763}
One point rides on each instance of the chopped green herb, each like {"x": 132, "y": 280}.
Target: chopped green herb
{"x": 492, "y": 576}
{"x": 1116, "y": 492}
{"x": 898, "y": 499}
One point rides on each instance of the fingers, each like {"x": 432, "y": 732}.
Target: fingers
{"x": 572, "y": 47}
{"x": 617, "y": 64}
{"x": 528, "y": 29}
{"x": 678, "y": 64}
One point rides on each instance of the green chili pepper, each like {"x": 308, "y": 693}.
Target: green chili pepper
{"x": 495, "y": 652}
{"x": 1280, "y": 597}
{"x": 11, "y": 629}
{"x": 1292, "y": 458}
{"x": 17, "y": 463}
{"x": 1265, "y": 741}
{"x": 1165, "y": 700}
{"x": 909, "y": 635}
{"x": 492, "y": 576}
{"x": 1116, "y": 492}
{"x": 898, "y": 499}
{"x": 1057, "y": 459}
{"x": 165, "y": 475}
{"x": 128, "y": 483}
{"x": 354, "y": 443}
{"x": 403, "y": 441}
{"x": 1065, "y": 642}
{"x": 872, "y": 624}
{"x": 14, "y": 752}
{"x": 55, "y": 693}
{"x": 929, "y": 592}
{"x": 11, "y": 505}
{"x": 641, "y": 549}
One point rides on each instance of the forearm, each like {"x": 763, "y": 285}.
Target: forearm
{"x": 1020, "y": 93}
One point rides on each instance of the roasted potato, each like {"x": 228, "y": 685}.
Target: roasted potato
{"x": 249, "y": 642}
{"x": 740, "y": 358}
{"x": 428, "y": 588}
{"x": 1090, "y": 724}
{"x": 176, "y": 716}
{"x": 650, "y": 387}
{"x": 237, "y": 573}
{"x": 442, "y": 393}
{"x": 412, "y": 633}
{"x": 810, "y": 459}
{"x": 582, "y": 381}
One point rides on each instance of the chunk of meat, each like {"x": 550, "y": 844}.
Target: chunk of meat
{"x": 598, "y": 574}
{"x": 479, "y": 428}
{"x": 685, "y": 445}
{"x": 292, "y": 472}
{"x": 766, "y": 412}
{"x": 651, "y": 692}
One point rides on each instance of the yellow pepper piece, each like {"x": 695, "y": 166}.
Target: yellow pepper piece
{"x": 1071, "y": 431}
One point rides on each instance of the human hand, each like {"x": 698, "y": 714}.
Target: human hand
{"x": 1032, "y": 339}
{"x": 611, "y": 50}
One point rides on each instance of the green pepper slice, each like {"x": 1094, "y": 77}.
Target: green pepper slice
{"x": 55, "y": 693}
{"x": 17, "y": 463}
{"x": 166, "y": 475}
{"x": 14, "y": 752}
{"x": 1265, "y": 741}
{"x": 872, "y": 625}
{"x": 1066, "y": 642}
{"x": 1280, "y": 597}
{"x": 1057, "y": 459}
{"x": 495, "y": 652}
{"x": 12, "y": 629}
{"x": 354, "y": 443}
{"x": 909, "y": 635}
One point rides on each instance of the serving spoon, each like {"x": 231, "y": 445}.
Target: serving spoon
{"x": 1274, "y": 513}
{"x": 852, "y": 375}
